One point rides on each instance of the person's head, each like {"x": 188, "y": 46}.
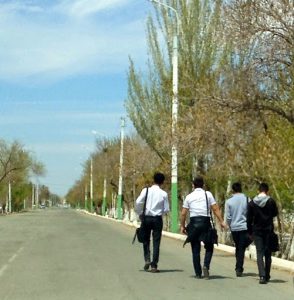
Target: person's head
{"x": 263, "y": 188}
{"x": 198, "y": 182}
{"x": 158, "y": 178}
{"x": 237, "y": 187}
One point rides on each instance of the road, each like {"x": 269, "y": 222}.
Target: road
{"x": 61, "y": 254}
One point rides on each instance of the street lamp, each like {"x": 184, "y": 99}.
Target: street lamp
{"x": 174, "y": 158}
{"x": 105, "y": 174}
{"x": 119, "y": 197}
{"x": 91, "y": 184}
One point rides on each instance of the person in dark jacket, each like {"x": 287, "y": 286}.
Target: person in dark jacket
{"x": 260, "y": 214}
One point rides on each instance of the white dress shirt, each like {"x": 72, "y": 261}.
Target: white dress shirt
{"x": 157, "y": 202}
{"x": 196, "y": 202}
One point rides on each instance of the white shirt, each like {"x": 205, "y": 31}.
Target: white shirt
{"x": 157, "y": 202}
{"x": 196, "y": 203}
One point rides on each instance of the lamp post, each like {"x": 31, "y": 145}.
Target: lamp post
{"x": 174, "y": 158}
{"x": 91, "y": 185}
{"x": 9, "y": 197}
{"x": 86, "y": 196}
{"x": 104, "y": 200}
{"x": 119, "y": 197}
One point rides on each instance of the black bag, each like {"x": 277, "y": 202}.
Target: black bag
{"x": 140, "y": 232}
{"x": 211, "y": 236}
{"x": 248, "y": 240}
{"x": 192, "y": 233}
{"x": 141, "y": 235}
{"x": 274, "y": 242}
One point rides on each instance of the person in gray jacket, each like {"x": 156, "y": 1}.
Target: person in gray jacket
{"x": 236, "y": 218}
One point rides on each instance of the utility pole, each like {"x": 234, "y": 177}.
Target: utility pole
{"x": 120, "y": 182}
{"x": 37, "y": 195}
{"x": 33, "y": 195}
{"x": 86, "y": 197}
{"x": 104, "y": 198}
{"x": 91, "y": 186}
{"x": 9, "y": 197}
{"x": 174, "y": 156}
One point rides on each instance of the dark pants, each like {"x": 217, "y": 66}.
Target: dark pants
{"x": 263, "y": 253}
{"x": 202, "y": 224}
{"x": 153, "y": 224}
{"x": 240, "y": 240}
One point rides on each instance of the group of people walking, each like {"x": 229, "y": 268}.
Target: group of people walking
{"x": 248, "y": 220}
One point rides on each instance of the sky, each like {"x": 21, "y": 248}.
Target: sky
{"x": 63, "y": 74}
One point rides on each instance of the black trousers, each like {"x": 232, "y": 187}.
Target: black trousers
{"x": 202, "y": 224}
{"x": 263, "y": 253}
{"x": 240, "y": 239}
{"x": 154, "y": 225}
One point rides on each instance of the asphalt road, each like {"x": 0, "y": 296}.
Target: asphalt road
{"x": 63, "y": 254}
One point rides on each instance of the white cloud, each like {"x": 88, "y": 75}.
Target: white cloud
{"x": 50, "y": 47}
{"x": 82, "y": 8}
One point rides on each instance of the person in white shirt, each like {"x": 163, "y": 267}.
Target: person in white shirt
{"x": 198, "y": 204}
{"x": 156, "y": 206}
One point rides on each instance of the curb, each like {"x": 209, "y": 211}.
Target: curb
{"x": 277, "y": 263}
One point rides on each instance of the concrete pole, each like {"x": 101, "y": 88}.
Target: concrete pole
{"x": 33, "y": 195}
{"x": 91, "y": 186}
{"x": 104, "y": 197}
{"x": 37, "y": 195}
{"x": 9, "y": 197}
{"x": 174, "y": 156}
{"x": 86, "y": 197}
{"x": 120, "y": 182}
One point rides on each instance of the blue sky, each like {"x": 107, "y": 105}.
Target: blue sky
{"x": 63, "y": 66}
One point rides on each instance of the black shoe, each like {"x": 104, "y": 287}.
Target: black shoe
{"x": 262, "y": 280}
{"x": 198, "y": 276}
{"x": 147, "y": 265}
{"x": 205, "y": 273}
{"x": 239, "y": 273}
{"x": 267, "y": 278}
{"x": 154, "y": 270}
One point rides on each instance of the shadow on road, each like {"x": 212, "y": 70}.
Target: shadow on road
{"x": 219, "y": 277}
{"x": 249, "y": 274}
{"x": 170, "y": 271}
{"x": 277, "y": 281}
{"x": 164, "y": 271}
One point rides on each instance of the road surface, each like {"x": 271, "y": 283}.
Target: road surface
{"x": 62, "y": 254}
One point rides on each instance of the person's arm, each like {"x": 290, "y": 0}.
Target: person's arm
{"x": 228, "y": 213}
{"x": 165, "y": 205}
{"x": 140, "y": 202}
{"x": 183, "y": 220}
{"x": 249, "y": 218}
{"x": 217, "y": 213}
{"x": 275, "y": 208}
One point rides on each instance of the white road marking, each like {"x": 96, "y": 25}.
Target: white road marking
{"x": 10, "y": 260}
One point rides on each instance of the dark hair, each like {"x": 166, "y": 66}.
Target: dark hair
{"x": 198, "y": 182}
{"x": 263, "y": 187}
{"x": 237, "y": 187}
{"x": 158, "y": 178}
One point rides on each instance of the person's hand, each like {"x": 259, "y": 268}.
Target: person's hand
{"x": 183, "y": 230}
{"x": 224, "y": 225}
